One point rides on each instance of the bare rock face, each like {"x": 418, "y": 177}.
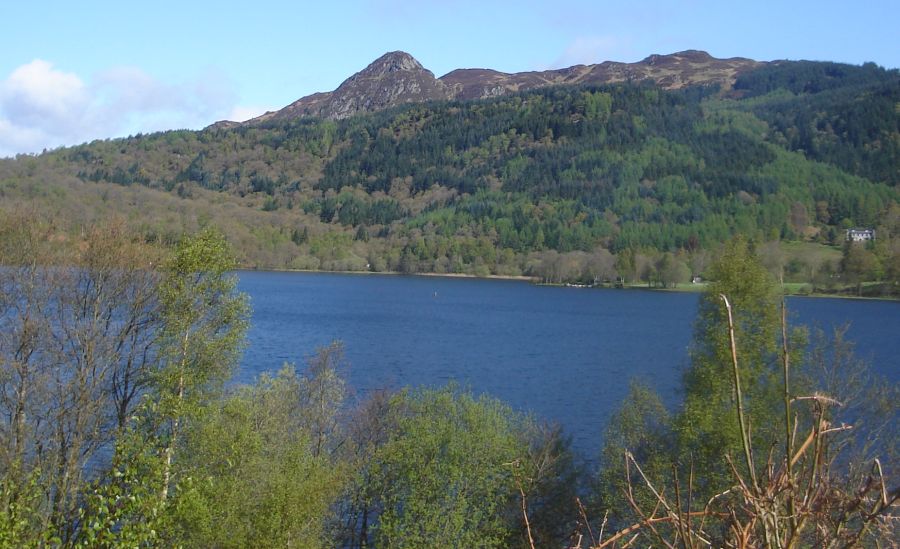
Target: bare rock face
{"x": 667, "y": 71}
{"x": 392, "y": 79}
{"x": 396, "y": 78}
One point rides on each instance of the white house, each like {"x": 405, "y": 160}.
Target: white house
{"x": 860, "y": 235}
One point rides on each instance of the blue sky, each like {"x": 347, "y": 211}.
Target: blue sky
{"x": 76, "y": 71}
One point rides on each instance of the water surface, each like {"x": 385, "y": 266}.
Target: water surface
{"x": 564, "y": 354}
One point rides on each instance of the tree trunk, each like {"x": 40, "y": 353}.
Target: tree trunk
{"x": 170, "y": 449}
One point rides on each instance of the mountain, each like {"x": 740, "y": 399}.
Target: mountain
{"x": 397, "y": 78}
{"x": 393, "y": 79}
{"x": 669, "y": 72}
{"x": 565, "y": 175}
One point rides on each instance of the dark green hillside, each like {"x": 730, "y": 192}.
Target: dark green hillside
{"x": 796, "y": 151}
{"x": 650, "y": 159}
{"x": 841, "y": 114}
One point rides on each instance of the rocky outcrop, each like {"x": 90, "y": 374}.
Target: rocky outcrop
{"x": 396, "y": 78}
{"x": 392, "y": 79}
{"x": 668, "y": 71}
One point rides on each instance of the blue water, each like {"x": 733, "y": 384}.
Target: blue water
{"x": 563, "y": 354}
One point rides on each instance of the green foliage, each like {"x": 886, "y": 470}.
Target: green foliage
{"x": 445, "y": 476}
{"x": 331, "y": 246}
{"x": 705, "y": 431}
{"x": 204, "y": 321}
{"x": 549, "y": 476}
{"x": 123, "y": 508}
{"x": 671, "y": 271}
{"x": 550, "y": 183}
{"x": 487, "y": 182}
{"x": 22, "y": 520}
{"x": 834, "y": 113}
{"x": 251, "y": 475}
{"x": 749, "y": 435}
{"x": 707, "y": 428}
{"x": 286, "y": 462}
{"x": 857, "y": 263}
{"x": 349, "y": 209}
{"x": 320, "y": 395}
{"x": 642, "y": 426}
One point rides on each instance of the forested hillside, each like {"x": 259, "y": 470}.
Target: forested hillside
{"x": 564, "y": 183}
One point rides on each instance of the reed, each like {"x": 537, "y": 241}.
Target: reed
{"x": 801, "y": 499}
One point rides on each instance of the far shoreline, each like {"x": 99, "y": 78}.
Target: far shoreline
{"x": 683, "y": 288}
{"x": 518, "y": 278}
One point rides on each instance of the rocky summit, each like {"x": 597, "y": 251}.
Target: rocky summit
{"x": 392, "y": 79}
{"x": 397, "y": 77}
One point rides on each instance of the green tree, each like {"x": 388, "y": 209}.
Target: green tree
{"x": 23, "y": 519}
{"x": 249, "y": 473}
{"x": 643, "y": 427}
{"x": 123, "y": 507}
{"x": 858, "y": 264}
{"x": 672, "y": 271}
{"x": 204, "y": 322}
{"x": 201, "y": 325}
{"x": 77, "y": 331}
{"x": 321, "y": 393}
{"x": 446, "y": 472}
{"x": 707, "y": 428}
{"x": 548, "y": 477}
{"x": 827, "y": 491}
{"x": 625, "y": 265}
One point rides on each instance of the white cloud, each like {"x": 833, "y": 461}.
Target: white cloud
{"x": 589, "y": 50}
{"x": 242, "y": 113}
{"x": 37, "y": 89}
{"x": 44, "y": 107}
{"x": 34, "y": 98}
{"x": 15, "y": 139}
{"x": 131, "y": 88}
